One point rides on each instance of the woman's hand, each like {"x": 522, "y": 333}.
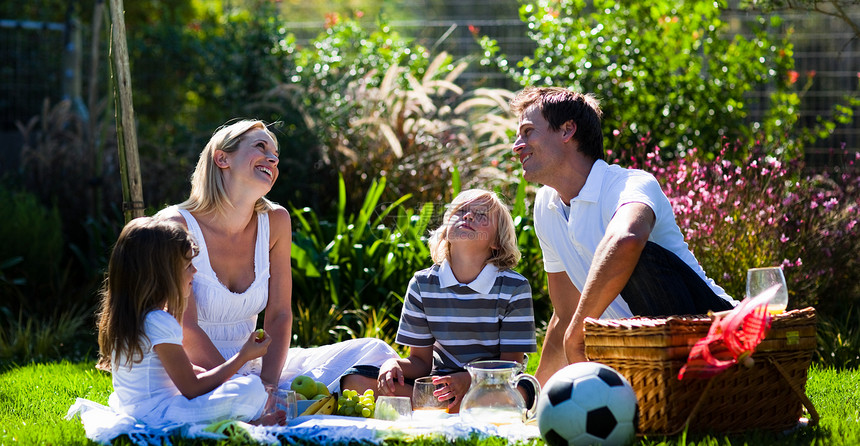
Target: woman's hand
{"x": 454, "y": 387}
{"x": 255, "y": 346}
{"x": 390, "y": 373}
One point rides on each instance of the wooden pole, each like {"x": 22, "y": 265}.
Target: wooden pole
{"x": 132, "y": 188}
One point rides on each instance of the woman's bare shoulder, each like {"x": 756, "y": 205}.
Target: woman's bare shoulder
{"x": 279, "y": 221}
{"x": 171, "y": 213}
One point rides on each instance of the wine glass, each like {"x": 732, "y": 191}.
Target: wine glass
{"x": 424, "y": 403}
{"x": 760, "y": 280}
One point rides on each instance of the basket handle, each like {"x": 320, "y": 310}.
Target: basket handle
{"x": 813, "y": 414}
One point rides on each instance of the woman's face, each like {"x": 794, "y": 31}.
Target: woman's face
{"x": 255, "y": 161}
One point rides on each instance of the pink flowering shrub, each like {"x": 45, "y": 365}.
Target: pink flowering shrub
{"x": 762, "y": 211}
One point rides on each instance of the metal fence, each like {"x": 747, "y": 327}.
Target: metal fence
{"x": 33, "y": 67}
{"x": 32, "y": 70}
{"x": 825, "y": 48}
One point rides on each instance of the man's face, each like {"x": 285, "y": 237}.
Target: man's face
{"x": 540, "y": 149}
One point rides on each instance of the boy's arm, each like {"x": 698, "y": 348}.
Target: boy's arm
{"x": 394, "y": 371}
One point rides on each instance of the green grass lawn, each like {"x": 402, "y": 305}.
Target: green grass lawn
{"x": 34, "y": 399}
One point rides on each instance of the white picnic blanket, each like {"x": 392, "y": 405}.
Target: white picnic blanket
{"x": 103, "y": 425}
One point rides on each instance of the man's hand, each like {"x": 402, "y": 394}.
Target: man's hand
{"x": 574, "y": 342}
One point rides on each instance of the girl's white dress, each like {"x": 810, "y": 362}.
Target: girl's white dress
{"x": 144, "y": 391}
{"x": 228, "y": 318}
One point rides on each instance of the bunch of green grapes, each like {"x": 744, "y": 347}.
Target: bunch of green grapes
{"x": 351, "y": 404}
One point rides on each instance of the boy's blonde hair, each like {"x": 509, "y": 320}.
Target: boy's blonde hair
{"x": 208, "y": 193}
{"x": 145, "y": 273}
{"x": 507, "y": 255}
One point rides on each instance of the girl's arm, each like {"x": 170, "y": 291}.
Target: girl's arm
{"x": 278, "y": 320}
{"x": 181, "y": 371}
{"x": 394, "y": 371}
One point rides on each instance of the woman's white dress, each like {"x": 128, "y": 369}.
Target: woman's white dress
{"x": 228, "y": 318}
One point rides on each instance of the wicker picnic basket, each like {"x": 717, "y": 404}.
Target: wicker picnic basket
{"x": 650, "y": 352}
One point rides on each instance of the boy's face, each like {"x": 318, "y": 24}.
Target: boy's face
{"x": 471, "y": 225}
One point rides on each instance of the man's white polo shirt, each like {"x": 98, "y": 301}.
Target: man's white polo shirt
{"x": 569, "y": 238}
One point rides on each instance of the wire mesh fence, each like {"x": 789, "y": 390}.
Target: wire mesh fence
{"x": 827, "y": 52}
{"x": 32, "y": 68}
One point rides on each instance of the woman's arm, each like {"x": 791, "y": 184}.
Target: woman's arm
{"x": 200, "y": 349}
{"x": 181, "y": 371}
{"x": 278, "y": 320}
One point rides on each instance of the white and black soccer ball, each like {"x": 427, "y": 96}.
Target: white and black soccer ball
{"x": 587, "y": 403}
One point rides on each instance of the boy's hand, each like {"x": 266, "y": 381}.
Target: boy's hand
{"x": 454, "y": 387}
{"x": 390, "y": 373}
{"x": 255, "y": 347}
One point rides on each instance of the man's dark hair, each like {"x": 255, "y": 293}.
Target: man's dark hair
{"x": 559, "y": 105}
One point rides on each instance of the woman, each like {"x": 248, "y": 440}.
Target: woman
{"x": 244, "y": 268}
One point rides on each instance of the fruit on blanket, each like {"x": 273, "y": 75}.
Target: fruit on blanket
{"x": 322, "y": 406}
{"x": 304, "y": 385}
{"x": 319, "y": 396}
{"x": 322, "y": 389}
{"x": 261, "y": 334}
{"x": 300, "y": 397}
{"x": 352, "y": 404}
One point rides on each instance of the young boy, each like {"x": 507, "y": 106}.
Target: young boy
{"x": 468, "y": 306}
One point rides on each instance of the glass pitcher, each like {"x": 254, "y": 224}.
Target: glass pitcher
{"x": 493, "y": 397}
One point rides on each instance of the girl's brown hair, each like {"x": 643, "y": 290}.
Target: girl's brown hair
{"x": 145, "y": 273}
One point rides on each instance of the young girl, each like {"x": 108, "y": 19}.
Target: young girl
{"x": 468, "y": 306}
{"x": 140, "y": 339}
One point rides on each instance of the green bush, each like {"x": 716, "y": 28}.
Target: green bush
{"x": 360, "y": 261}
{"x": 670, "y": 70}
{"x": 388, "y": 107}
{"x": 34, "y": 234}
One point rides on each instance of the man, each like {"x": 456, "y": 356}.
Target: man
{"x": 610, "y": 243}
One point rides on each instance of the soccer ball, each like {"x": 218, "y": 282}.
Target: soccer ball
{"x": 587, "y": 403}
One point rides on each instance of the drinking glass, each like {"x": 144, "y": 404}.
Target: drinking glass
{"x": 284, "y": 399}
{"x": 424, "y": 403}
{"x": 760, "y": 280}
{"x": 392, "y": 408}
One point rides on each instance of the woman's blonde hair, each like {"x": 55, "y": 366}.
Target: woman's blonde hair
{"x": 506, "y": 255}
{"x": 208, "y": 193}
{"x": 145, "y": 273}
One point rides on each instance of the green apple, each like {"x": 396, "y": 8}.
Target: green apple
{"x": 322, "y": 389}
{"x": 304, "y": 385}
{"x": 319, "y": 397}
{"x": 300, "y": 397}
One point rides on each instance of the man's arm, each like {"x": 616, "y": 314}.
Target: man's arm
{"x": 611, "y": 268}
{"x": 565, "y": 298}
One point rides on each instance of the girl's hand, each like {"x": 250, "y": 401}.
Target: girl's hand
{"x": 390, "y": 373}
{"x": 255, "y": 347}
{"x": 454, "y": 387}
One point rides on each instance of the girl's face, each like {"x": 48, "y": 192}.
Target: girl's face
{"x": 188, "y": 275}
{"x": 471, "y": 227}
